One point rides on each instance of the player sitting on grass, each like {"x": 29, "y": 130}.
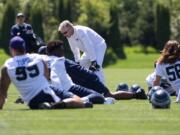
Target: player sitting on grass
{"x": 27, "y": 72}
{"x": 60, "y": 79}
{"x": 86, "y": 78}
{"x": 168, "y": 66}
{"x": 163, "y": 82}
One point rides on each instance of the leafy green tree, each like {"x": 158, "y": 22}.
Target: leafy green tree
{"x": 7, "y": 22}
{"x": 1, "y": 10}
{"x": 145, "y": 26}
{"x": 162, "y": 25}
{"x": 95, "y": 14}
{"x": 175, "y": 19}
{"x": 37, "y": 19}
{"x": 128, "y": 16}
{"x": 114, "y": 32}
{"x": 64, "y": 10}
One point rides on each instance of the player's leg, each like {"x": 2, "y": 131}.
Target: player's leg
{"x": 120, "y": 95}
{"x": 87, "y": 94}
{"x": 84, "y": 77}
{"x": 52, "y": 100}
{"x": 100, "y": 74}
{"x": 70, "y": 100}
{"x": 78, "y": 73}
{"x": 40, "y": 98}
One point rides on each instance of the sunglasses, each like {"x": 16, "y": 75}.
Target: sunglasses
{"x": 20, "y": 16}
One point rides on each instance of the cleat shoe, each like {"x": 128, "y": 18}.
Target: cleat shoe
{"x": 134, "y": 88}
{"x": 44, "y": 105}
{"x": 88, "y": 105}
{"x": 140, "y": 94}
{"x": 19, "y": 100}
{"x": 109, "y": 101}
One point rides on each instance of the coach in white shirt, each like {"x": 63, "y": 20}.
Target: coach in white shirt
{"x": 85, "y": 40}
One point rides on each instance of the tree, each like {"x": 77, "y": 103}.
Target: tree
{"x": 36, "y": 14}
{"x": 128, "y": 16}
{"x": 114, "y": 32}
{"x": 95, "y": 14}
{"x": 7, "y": 22}
{"x": 162, "y": 25}
{"x": 67, "y": 10}
{"x": 175, "y": 19}
{"x": 146, "y": 24}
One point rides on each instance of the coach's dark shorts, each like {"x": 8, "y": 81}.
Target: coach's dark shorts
{"x": 42, "y": 97}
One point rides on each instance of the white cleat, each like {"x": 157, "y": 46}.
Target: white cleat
{"x": 109, "y": 101}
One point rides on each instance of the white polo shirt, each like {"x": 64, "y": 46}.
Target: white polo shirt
{"x": 87, "y": 41}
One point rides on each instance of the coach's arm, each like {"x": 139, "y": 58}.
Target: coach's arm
{"x": 4, "y": 85}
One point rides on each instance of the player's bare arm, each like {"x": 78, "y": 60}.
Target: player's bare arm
{"x": 46, "y": 71}
{"x": 157, "y": 81}
{"x": 4, "y": 85}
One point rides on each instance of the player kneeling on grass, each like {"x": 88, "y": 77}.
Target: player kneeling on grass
{"x": 88, "y": 79}
{"x": 27, "y": 72}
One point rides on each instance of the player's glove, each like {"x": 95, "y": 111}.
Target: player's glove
{"x": 94, "y": 66}
{"x": 77, "y": 62}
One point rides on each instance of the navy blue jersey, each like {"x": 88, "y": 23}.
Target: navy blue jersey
{"x": 26, "y": 32}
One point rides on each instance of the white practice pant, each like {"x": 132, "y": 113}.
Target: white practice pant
{"x": 100, "y": 52}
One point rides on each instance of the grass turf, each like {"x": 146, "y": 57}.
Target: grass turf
{"x": 125, "y": 117}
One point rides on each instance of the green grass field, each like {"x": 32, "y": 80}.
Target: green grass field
{"x": 125, "y": 117}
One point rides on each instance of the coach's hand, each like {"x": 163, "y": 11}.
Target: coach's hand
{"x": 94, "y": 66}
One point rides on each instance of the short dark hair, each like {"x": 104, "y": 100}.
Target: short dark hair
{"x": 42, "y": 50}
{"x": 54, "y": 47}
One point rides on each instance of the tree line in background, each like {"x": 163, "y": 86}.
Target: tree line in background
{"x": 120, "y": 22}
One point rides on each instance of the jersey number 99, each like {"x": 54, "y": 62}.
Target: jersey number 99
{"x": 23, "y": 72}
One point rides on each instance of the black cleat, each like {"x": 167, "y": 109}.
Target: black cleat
{"x": 140, "y": 94}
{"x": 88, "y": 105}
{"x": 134, "y": 88}
{"x": 44, "y": 105}
{"x": 19, "y": 100}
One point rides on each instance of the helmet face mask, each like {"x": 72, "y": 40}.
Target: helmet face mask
{"x": 160, "y": 99}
